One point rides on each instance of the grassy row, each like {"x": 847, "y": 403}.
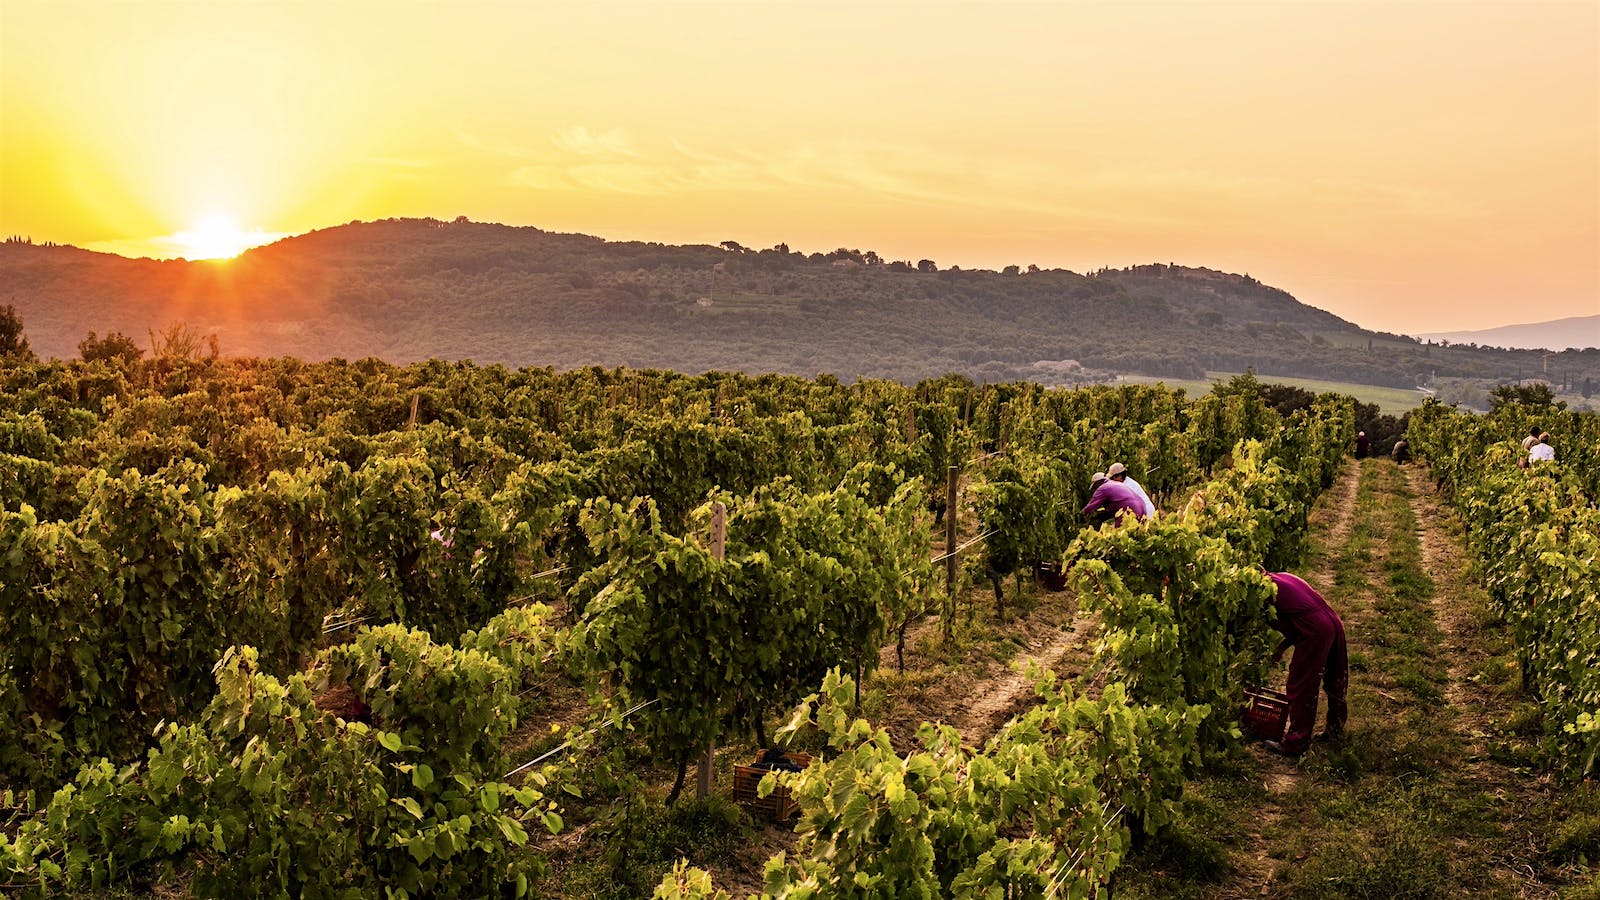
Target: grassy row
{"x": 1432, "y": 793}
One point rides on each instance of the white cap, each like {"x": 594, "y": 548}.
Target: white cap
{"x": 1115, "y": 470}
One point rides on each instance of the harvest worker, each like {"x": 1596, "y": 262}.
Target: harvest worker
{"x": 1363, "y": 445}
{"x": 1401, "y": 451}
{"x": 1528, "y": 443}
{"x": 1119, "y": 473}
{"x": 1110, "y": 500}
{"x": 1532, "y": 438}
{"x": 1542, "y": 451}
{"x": 1315, "y": 631}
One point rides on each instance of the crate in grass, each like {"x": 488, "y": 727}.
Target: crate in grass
{"x": 1266, "y": 714}
{"x": 780, "y": 805}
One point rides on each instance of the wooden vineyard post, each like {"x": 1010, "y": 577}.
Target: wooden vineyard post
{"x": 950, "y": 530}
{"x": 415, "y": 400}
{"x": 719, "y": 551}
{"x": 948, "y": 616}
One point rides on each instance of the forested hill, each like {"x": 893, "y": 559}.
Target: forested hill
{"x": 410, "y": 289}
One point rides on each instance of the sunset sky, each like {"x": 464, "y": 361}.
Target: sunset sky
{"x": 1409, "y": 166}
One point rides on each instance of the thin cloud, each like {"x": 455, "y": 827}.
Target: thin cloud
{"x": 611, "y": 162}
{"x": 580, "y": 140}
{"x": 397, "y": 169}
{"x": 394, "y": 162}
{"x": 1318, "y": 192}
{"x": 473, "y": 142}
{"x": 629, "y": 178}
{"x": 540, "y": 178}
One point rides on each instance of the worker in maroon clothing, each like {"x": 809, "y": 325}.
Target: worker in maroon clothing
{"x": 1317, "y": 635}
{"x": 1110, "y": 500}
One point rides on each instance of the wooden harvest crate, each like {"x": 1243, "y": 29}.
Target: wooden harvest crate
{"x": 1050, "y": 576}
{"x": 780, "y": 805}
{"x": 1266, "y": 714}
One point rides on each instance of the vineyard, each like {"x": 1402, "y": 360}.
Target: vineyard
{"x": 274, "y": 628}
{"x": 1536, "y": 536}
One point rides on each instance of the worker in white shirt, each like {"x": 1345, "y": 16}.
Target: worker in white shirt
{"x": 1542, "y": 451}
{"x": 1119, "y": 473}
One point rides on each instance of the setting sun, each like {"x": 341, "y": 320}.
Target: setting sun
{"x": 217, "y": 237}
{"x": 1065, "y": 135}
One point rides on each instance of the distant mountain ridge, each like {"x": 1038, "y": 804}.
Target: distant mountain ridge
{"x": 1571, "y": 333}
{"x": 410, "y": 289}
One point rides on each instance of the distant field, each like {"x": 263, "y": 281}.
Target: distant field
{"x": 1392, "y": 401}
{"x": 1354, "y": 341}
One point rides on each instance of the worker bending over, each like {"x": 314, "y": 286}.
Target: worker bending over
{"x": 1119, "y": 473}
{"x": 1316, "y": 632}
{"x": 1110, "y": 500}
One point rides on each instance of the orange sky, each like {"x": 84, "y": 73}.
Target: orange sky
{"x": 1410, "y": 166}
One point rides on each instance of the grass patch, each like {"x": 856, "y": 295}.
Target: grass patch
{"x": 1577, "y": 840}
{"x": 1190, "y": 851}
{"x": 1190, "y": 858}
{"x": 1419, "y": 685}
{"x": 1501, "y": 672}
{"x": 1526, "y": 720}
{"x": 1589, "y": 890}
{"x": 644, "y": 838}
{"x": 1398, "y": 863}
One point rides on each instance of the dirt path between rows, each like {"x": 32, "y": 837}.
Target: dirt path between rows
{"x": 1333, "y": 517}
{"x": 1418, "y": 801}
{"x": 1331, "y": 521}
{"x": 997, "y": 700}
{"x": 1442, "y": 559}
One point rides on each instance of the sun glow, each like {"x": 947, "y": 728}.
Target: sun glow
{"x": 217, "y": 237}
{"x": 1394, "y": 145}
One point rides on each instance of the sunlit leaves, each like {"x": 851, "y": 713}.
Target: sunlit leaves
{"x": 1536, "y": 534}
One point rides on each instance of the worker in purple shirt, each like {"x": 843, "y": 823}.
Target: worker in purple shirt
{"x": 1110, "y": 500}
{"x": 1316, "y": 632}
{"x": 1119, "y": 473}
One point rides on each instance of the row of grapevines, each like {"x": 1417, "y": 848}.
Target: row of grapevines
{"x": 1038, "y": 809}
{"x": 1536, "y": 535}
{"x": 1034, "y": 811}
{"x": 180, "y": 507}
{"x": 112, "y": 620}
{"x": 376, "y": 769}
{"x": 1183, "y": 602}
{"x": 1028, "y": 500}
{"x": 120, "y": 595}
{"x": 246, "y": 418}
{"x": 192, "y": 505}
{"x": 807, "y": 582}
